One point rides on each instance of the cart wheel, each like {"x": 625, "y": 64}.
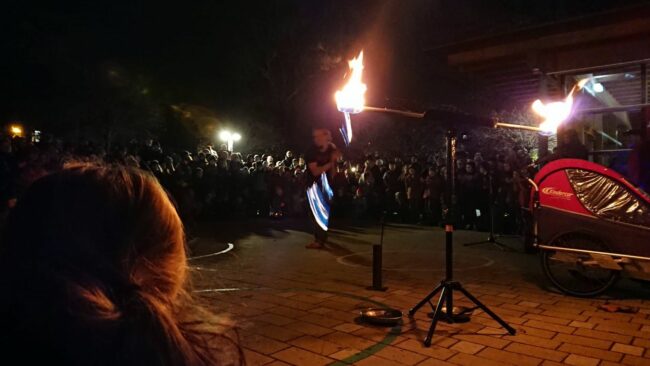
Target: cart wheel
{"x": 577, "y": 274}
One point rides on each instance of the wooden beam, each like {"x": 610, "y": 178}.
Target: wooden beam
{"x": 497, "y": 66}
{"x": 505, "y": 76}
{"x": 627, "y": 28}
{"x": 563, "y": 60}
{"x": 513, "y": 83}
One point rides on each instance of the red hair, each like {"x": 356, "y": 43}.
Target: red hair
{"x": 94, "y": 272}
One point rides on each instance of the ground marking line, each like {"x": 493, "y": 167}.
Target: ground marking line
{"x": 231, "y": 246}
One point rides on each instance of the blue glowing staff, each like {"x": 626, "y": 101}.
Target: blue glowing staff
{"x": 326, "y": 186}
{"x": 319, "y": 195}
{"x": 346, "y": 129}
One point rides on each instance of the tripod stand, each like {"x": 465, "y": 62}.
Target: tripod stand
{"x": 491, "y": 238}
{"x": 444, "y": 310}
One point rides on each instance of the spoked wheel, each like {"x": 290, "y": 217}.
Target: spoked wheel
{"x": 577, "y": 274}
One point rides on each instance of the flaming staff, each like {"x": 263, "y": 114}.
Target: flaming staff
{"x": 554, "y": 113}
{"x": 351, "y": 99}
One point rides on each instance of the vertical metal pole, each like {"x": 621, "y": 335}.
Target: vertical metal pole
{"x": 491, "y": 238}
{"x": 376, "y": 268}
{"x": 644, "y": 83}
{"x": 450, "y": 196}
{"x": 542, "y": 140}
{"x": 377, "y": 261}
{"x": 645, "y": 129}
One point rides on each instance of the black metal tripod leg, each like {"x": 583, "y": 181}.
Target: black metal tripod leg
{"x": 476, "y": 243}
{"x": 503, "y": 247}
{"x": 425, "y": 300}
{"x": 436, "y": 315}
{"x": 494, "y": 316}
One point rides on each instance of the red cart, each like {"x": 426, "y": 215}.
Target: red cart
{"x": 591, "y": 225}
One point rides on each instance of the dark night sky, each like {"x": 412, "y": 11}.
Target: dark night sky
{"x": 212, "y": 53}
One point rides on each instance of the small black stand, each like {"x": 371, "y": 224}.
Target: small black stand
{"x": 444, "y": 310}
{"x": 491, "y": 238}
{"x": 377, "y": 259}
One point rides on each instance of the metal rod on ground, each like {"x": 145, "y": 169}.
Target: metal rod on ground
{"x": 377, "y": 259}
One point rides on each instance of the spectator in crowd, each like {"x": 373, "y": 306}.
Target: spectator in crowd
{"x": 433, "y": 195}
{"x": 111, "y": 291}
{"x": 393, "y": 186}
{"x": 570, "y": 147}
{"x": 414, "y": 192}
{"x": 8, "y": 176}
{"x": 288, "y": 159}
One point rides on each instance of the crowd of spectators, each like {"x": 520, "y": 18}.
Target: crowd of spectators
{"x": 209, "y": 183}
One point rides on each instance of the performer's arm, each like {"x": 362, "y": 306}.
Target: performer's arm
{"x": 336, "y": 155}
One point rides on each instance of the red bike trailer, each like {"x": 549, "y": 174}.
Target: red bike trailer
{"x": 592, "y": 218}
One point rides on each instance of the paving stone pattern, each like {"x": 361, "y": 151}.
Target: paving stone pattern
{"x": 295, "y": 306}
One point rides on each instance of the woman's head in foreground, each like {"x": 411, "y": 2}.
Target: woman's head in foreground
{"x": 93, "y": 268}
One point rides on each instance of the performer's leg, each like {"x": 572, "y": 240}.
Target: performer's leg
{"x": 320, "y": 235}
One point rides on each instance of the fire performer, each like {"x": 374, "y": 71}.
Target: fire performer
{"x": 321, "y": 159}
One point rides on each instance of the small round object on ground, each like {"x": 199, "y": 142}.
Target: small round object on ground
{"x": 388, "y": 317}
{"x": 459, "y": 314}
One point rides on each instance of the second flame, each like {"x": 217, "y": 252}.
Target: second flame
{"x": 555, "y": 113}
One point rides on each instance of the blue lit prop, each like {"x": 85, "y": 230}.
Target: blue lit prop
{"x": 326, "y": 186}
{"x": 346, "y": 129}
{"x": 319, "y": 195}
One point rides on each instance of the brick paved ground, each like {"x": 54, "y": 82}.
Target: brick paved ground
{"x": 300, "y": 307}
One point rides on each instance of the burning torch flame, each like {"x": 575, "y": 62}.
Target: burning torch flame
{"x": 351, "y": 99}
{"x": 555, "y": 113}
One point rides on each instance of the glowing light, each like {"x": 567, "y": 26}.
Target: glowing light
{"x": 16, "y": 130}
{"x": 598, "y": 88}
{"x": 318, "y": 197}
{"x": 225, "y": 135}
{"x": 230, "y": 138}
{"x": 556, "y": 113}
{"x": 352, "y": 98}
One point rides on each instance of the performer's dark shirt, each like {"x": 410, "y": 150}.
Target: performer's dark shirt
{"x": 314, "y": 155}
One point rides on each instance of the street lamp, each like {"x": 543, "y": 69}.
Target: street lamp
{"x": 229, "y": 138}
{"x": 16, "y": 131}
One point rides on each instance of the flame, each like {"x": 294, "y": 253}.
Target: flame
{"x": 581, "y": 84}
{"x": 351, "y": 99}
{"x": 555, "y": 113}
